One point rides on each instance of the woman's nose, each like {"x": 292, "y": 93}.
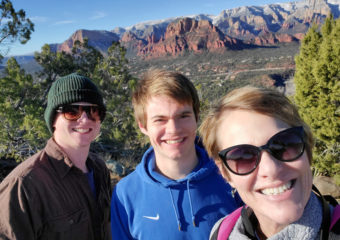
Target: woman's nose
{"x": 269, "y": 166}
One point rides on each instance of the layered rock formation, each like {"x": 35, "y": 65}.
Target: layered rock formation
{"x": 187, "y": 35}
{"x": 231, "y": 29}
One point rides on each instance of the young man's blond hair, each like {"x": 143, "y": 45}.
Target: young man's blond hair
{"x": 158, "y": 82}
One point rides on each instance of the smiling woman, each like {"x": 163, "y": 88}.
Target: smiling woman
{"x": 263, "y": 149}
{"x": 273, "y": 184}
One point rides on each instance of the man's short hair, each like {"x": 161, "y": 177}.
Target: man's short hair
{"x": 156, "y": 82}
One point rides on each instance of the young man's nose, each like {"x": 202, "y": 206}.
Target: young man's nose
{"x": 84, "y": 116}
{"x": 172, "y": 126}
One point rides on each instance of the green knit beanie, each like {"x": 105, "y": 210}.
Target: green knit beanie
{"x": 70, "y": 89}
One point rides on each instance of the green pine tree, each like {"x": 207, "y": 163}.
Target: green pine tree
{"x": 116, "y": 84}
{"x": 14, "y": 26}
{"x": 20, "y": 114}
{"x": 85, "y": 58}
{"x": 318, "y": 93}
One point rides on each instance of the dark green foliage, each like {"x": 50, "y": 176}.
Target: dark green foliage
{"x": 20, "y": 114}
{"x": 317, "y": 81}
{"x": 13, "y": 25}
{"x": 85, "y": 58}
{"x": 53, "y": 64}
{"x": 117, "y": 84}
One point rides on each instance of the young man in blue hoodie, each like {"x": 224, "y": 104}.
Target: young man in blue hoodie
{"x": 176, "y": 191}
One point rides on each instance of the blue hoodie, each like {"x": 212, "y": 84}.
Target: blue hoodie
{"x": 147, "y": 205}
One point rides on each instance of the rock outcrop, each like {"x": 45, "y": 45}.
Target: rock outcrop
{"x": 187, "y": 35}
{"x": 231, "y": 29}
{"x": 101, "y": 40}
{"x": 327, "y": 186}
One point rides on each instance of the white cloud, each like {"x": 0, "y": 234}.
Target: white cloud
{"x": 63, "y": 22}
{"x": 98, "y": 15}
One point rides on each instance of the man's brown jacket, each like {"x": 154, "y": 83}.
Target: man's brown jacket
{"x": 47, "y": 197}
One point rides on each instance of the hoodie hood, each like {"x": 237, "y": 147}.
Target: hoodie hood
{"x": 146, "y": 169}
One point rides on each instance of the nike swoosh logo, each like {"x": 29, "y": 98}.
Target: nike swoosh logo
{"x": 152, "y": 218}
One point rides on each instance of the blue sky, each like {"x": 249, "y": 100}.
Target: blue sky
{"x": 56, "y": 20}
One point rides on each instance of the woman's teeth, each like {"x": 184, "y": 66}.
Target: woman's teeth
{"x": 278, "y": 190}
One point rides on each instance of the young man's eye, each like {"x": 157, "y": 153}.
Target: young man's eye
{"x": 185, "y": 116}
{"x": 159, "y": 120}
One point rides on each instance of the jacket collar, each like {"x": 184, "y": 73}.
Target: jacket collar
{"x": 60, "y": 161}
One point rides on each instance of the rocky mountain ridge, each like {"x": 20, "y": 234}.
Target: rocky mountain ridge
{"x": 236, "y": 28}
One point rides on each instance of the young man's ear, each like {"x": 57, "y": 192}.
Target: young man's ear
{"x": 142, "y": 128}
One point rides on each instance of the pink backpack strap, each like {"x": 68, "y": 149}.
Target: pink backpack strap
{"x": 335, "y": 216}
{"x": 228, "y": 224}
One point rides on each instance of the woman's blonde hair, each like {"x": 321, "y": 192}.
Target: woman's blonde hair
{"x": 261, "y": 100}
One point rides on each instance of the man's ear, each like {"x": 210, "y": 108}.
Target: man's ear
{"x": 142, "y": 128}
{"x": 53, "y": 123}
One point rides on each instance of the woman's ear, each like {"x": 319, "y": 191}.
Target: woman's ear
{"x": 224, "y": 172}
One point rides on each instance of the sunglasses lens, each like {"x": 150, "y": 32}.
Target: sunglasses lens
{"x": 287, "y": 146}
{"x": 72, "y": 112}
{"x": 242, "y": 159}
{"x": 95, "y": 112}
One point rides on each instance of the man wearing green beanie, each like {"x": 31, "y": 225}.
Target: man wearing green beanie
{"x": 63, "y": 191}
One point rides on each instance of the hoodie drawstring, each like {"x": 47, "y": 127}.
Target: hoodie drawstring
{"x": 190, "y": 203}
{"x": 175, "y": 209}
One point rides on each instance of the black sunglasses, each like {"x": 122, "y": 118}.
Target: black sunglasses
{"x": 73, "y": 112}
{"x": 287, "y": 145}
